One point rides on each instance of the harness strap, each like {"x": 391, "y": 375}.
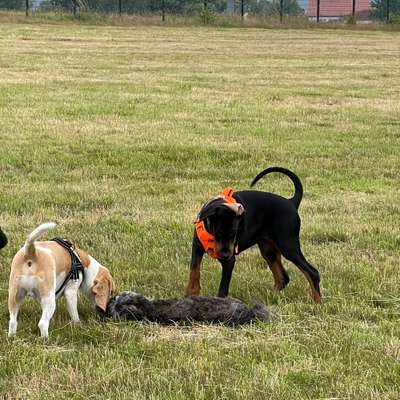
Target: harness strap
{"x": 227, "y": 195}
{"x": 76, "y": 262}
{"x": 206, "y": 239}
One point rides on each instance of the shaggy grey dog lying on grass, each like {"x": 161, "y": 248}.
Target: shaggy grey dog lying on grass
{"x": 228, "y": 311}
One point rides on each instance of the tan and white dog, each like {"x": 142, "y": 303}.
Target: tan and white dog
{"x": 40, "y": 268}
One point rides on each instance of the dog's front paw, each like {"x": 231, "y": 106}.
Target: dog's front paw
{"x": 192, "y": 291}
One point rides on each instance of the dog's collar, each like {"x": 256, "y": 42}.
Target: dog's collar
{"x": 206, "y": 239}
{"x": 76, "y": 262}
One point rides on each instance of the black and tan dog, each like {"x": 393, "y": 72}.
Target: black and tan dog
{"x": 234, "y": 221}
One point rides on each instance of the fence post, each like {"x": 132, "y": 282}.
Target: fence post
{"x": 387, "y": 11}
{"x": 354, "y": 11}
{"x": 120, "y": 7}
{"x": 281, "y": 10}
{"x": 205, "y": 12}
{"x": 26, "y": 8}
{"x": 163, "y": 11}
{"x": 318, "y": 8}
{"x": 242, "y": 9}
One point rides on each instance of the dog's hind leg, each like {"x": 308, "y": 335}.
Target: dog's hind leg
{"x": 15, "y": 299}
{"x": 272, "y": 255}
{"x": 292, "y": 251}
{"x": 193, "y": 287}
{"x": 48, "y": 304}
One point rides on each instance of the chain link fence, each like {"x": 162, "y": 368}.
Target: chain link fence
{"x": 313, "y": 10}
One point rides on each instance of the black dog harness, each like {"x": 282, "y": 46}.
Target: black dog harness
{"x": 76, "y": 262}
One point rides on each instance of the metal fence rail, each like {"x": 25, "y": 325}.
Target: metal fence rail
{"x": 314, "y": 10}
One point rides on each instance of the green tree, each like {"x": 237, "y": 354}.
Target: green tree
{"x": 64, "y": 4}
{"x": 266, "y": 7}
{"x": 12, "y": 4}
{"x": 143, "y": 6}
{"x": 379, "y": 8}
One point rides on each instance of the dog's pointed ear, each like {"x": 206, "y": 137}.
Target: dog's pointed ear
{"x": 103, "y": 288}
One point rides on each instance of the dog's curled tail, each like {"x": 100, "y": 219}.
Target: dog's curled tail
{"x": 30, "y": 241}
{"x": 261, "y": 313}
{"x": 298, "y": 187}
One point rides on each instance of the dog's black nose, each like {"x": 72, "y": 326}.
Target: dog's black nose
{"x": 225, "y": 255}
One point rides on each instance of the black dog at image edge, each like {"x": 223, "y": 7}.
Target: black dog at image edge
{"x": 3, "y": 239}
{"x": 227, "y": 311}
{"x": 247, "y": 218}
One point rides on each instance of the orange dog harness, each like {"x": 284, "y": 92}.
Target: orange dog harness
{"x": 206, "y": 239}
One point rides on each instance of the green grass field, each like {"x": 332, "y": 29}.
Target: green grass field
{"x": 119, "y": 134}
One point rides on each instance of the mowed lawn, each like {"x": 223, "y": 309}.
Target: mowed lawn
{"x": 120, "y": 134}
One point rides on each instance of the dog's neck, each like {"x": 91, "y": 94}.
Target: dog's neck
{"x": 90, "y": 275}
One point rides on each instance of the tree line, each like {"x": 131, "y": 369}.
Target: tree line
{"x": 187, "y": 7}
{"x": 178, "y": 7}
